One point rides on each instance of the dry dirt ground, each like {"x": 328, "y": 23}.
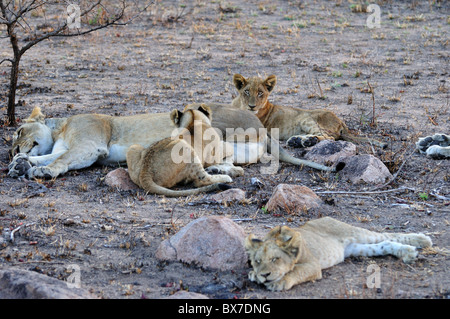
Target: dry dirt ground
{"x": 181, "y": 52}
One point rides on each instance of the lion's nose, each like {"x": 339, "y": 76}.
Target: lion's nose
{"x": 265, "y": 275}
{"x": 251, "y": 106}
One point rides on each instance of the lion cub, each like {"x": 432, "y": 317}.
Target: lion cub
{"x": 157, "y": 168}
{"x": 300, "y": 127}
{"x": 287, "y": 256}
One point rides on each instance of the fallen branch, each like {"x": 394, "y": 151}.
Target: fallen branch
{"x": 401, "y": 189}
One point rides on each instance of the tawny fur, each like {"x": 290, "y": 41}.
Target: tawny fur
{"x": 155, "y": 170}
{"x": 292, "y": 122}
{"x": 290, "y": 256}
{"x": 242, "y": 121}
{"x": 56, "y": 145}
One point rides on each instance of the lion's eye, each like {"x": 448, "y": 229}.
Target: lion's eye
{"x": 247, "y": 92}
{"x": 260, "y": 94}
{"x": 274, "y": 259}
{"x": 258, "y": 261}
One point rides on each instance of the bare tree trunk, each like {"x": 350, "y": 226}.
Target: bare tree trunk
{"x": 13, "y": 80}
{"x": 14, "y": 76}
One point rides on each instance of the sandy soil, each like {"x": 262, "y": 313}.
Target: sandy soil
{"x": 324, "y": 57}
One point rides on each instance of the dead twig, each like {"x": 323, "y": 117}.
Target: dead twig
{"x": 11, "y": 236}
{"x": 370, "y": 192}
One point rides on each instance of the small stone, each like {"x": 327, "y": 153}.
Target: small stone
{"x": 292, "y": 199}
{"x": 229, "y": 196}
{"x": 120, "y": 179}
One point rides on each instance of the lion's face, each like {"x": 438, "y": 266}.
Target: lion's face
{"x": 274, "y": 256}
{"x": 254, "y": 91}
{"x": 33, "y": 139}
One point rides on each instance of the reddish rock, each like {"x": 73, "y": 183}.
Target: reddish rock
{"x": 292, "y": 199}
{"x": 229, "y": 196}
{"x": 120, "y": 179}
{"x": 213, "y": 242}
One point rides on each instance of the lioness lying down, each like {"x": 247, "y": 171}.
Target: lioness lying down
{"x": 287, "y": 256}
{"x": 300, "y": 127}
{"x": 51, "y": 147}
{"x": 157, "y": 168}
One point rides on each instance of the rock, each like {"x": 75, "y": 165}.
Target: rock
{"x": 330, "y": 152}
{"x": 24, "y": 284}
{"x": 183, "y": 294}
{"x": 365, "y": 169}
{"x": 292, "y": 199}
{"x": 256, "y": 183}
{"x": 119, "y": 178}
{"x": 212, "y": 242}
{"x": 230, "y": 195}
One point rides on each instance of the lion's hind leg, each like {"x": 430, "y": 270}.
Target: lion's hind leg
{"x": 406, "y": 252}
{"x": 379, "y": 244}
{"x": 74, "y": 158}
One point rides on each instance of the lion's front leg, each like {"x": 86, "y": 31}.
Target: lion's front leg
{"x": 301, "y": 273}
{"x": 74, "y": 158}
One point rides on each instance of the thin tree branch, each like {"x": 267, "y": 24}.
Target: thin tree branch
{"x": 6, "y": 60}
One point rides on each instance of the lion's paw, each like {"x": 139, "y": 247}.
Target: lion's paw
{"x": 19, "y": 166}
{"x": 408, "y": 254}
{"x": 230, "y": 170}
{"x": 301, "y": 141}
{"x": 279, "y": 285}
{"x": 41, "y": 171}
{"x": 436, "y": 146}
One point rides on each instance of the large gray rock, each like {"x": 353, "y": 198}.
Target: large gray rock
{"x": 292, "y": 199}
{"x": 24, "y": 284}
{"x": 213, "y": 242}
{"x": 365, "y": 169}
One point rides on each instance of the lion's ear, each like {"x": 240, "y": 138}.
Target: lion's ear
{"x": 252, "y": 243}
{"x": 289, "y": 240}
{"x": 175, "y": 117}
{"x": 205, "y": 109}
{"x": 239, "y": 81}
{"x": 270, "y": 82}
{"x": 36, "y": 116}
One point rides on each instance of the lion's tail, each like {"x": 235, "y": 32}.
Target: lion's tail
{"x": 154, "y": 188}
{"x": 288, "y": 158}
